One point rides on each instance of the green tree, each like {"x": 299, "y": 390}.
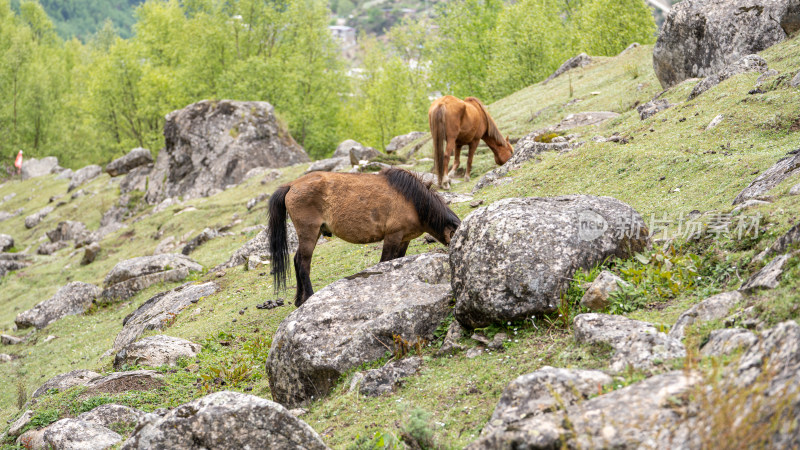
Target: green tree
{"x": 606, "y": 27}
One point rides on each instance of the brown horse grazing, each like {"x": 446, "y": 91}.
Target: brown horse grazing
{"x": 462, "y": 123}
{"x": 393, "y": 206}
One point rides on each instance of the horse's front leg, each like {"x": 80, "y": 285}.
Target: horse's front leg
{"x": 393, "y": 247}
{"x": 472, "y": 147}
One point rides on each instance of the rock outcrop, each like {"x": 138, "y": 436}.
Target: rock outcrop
{"x": 156, "y": 312}
{"x": 131, "y": 276}
{"x": 398, "y": 144}
{"x": 335, "y": 164}
{"x": 74, "y": 298}
{"x": 575, "y": 62}
{"x": 701, "y": 37}
{"x": 32, "y": 167}
{"x": 652, "y": 108}
{"x": 34, "y": 219}
{"x": 225, "y": 420}
{"x": 6, "y": 242}
{"x": 12, "y": 261}
{"x": 749, "y": 63}
{"x": 355, "y": 320}
{"x": 84, "y": 175}
{"x": 112, "y": 414}
{"x": 786, "y": 167}
{"x": 210, "y": 145}
{"x": 154, "y": 351}
{"x": 64, "y": 381}
{"x": 727, "y": 340}
{"x": 385, "y": 380}
{"x": 768, "y": 277}
{"x": 715, "y": 307}
{"x": 135, "y": 158}
{"x": 514, "y": 258}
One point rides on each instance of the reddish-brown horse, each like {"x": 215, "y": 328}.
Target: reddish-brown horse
{"x": 462, "y": 122}
{"x": 393, "y": 206}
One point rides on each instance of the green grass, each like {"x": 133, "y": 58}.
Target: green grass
{"x": 677, "y": 168}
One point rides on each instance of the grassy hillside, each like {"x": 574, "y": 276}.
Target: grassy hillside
{"x": 671, "y": 165}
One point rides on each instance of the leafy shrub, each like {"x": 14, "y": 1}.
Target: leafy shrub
{"x": 381, "y": 440}
{"x": 417, "y": 431}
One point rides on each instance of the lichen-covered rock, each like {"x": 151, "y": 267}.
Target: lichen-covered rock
{"x": 6, "y": 242}
{"x": 545, "y": 390}
{"x": 12, "y": 261}
{"x": 131, "y": 276}
{"x": 353, "y": 320}
{"x": 652, "y": 108}
{"x": 701, "y": 37}
{"x": 67, "y": 380}
{"x": 135, "y": 158}
{"x": 73, "y": 298}
{"x": 6, "y": 339}
{"x": 359, "y": 152}
{"x": 84, "y": 175}
{"x": 259, "y": 246}
{"x": 154, "y": 351}
{"x": 768, "y": 277}
{"x": 610, "y": 329}
{"x": 642, "y": 415}
{"x": 111, "y": 414}
{"x": 138, "y": 179}
{"x": 210, "y": 145}
{"x": 575, "y": 62}
{"x": 714, "y": 307}
{"x": 596, "y": 296}
{"x": 727, "y": 340}
{"x": 24, "y": 419}
{"x": 514, "y": 258}
{"x": 206, "y": 235}
{"x": 34, "y": 219}
{"x": 90, "y": 253}
{"x": 76, "y": 434}
{"x": 32, "y": 167}
{"x": 786, "y": 167}
{"x": 782, "y": 244}
{"x": 226, "y": 420}
{"x": 48, "y": 248}
{"x": 5, "y": 215}
{"x": 157, "y": 311}
{"x": 749, "y": 63}
{"x": 385, "y": 380}
{"x": 584, "y": 119}
{"x": 68, "y": 230}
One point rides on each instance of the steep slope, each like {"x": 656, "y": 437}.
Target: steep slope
{"x": 670, "y": 166}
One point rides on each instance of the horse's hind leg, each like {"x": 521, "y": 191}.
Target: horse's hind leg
{"x": 472, "y": 147}
{"x": 456, "y": 161}
{"x": 451, "y": 145}
{"x": 307, "y": 236}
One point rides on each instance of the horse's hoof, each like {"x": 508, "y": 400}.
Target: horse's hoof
{"x": 466, "y": 179}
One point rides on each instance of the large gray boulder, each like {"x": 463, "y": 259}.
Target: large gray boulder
{"x": 357, "y": 152}
{"x": 32, "y": 167}
{"x": 786, "y": 167}
{"x": 515, "y": 258}
{"x": 64, "y": 381}
{"x": 69, "y": 230}
{"x": 768, "y": 277}
{"x": 353, "y": 321}
{"x": 137, "y": 179}
{"x": 259, "y": 246}
{"x": 715, "y": 307}
{"x": 84, "y": 175}
{"x": 210, "y": 145}
{"x": 226, "y": 420}
{"x": 135, "y": 158}
{"x": 6, "y": 242}
{"x": 701, "y": 37}
{"x": 74, "y": 298}
{"x": 156, "y": 312}
{"x": 728, "y": 340}
{"x": 749, "y": 63}
{"x": 154, "y": 351}
{"x": 335, "y": 164}
{"x": 76, "y": 434}
{"x": 131, "y": 276}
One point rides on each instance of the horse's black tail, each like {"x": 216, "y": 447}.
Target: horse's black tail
{"x": 278, "y": 247}
{"x": 437, "y": 124}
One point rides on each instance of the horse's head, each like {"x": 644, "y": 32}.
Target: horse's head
{"x": 503, "y": 152}
{"x": 450, "y": 229}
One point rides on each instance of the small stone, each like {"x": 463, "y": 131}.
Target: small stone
{"x": 10, "y": 340}
{"x": 596, "y": 296}
{"x": 476, "y": 203}
{"x": 90, "y": 252}
{"x": 715, "y": 121}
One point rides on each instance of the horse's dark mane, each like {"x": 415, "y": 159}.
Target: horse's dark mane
{"x": 429, "y": 205}
{"x": 491, "y": 127}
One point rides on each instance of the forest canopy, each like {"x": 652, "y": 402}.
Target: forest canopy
{"x": 91, "y": 102}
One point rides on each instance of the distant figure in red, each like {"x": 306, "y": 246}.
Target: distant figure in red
{"x": 18, "y": 162}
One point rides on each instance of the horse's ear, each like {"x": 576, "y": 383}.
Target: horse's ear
{"x": 507, "y": 136}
